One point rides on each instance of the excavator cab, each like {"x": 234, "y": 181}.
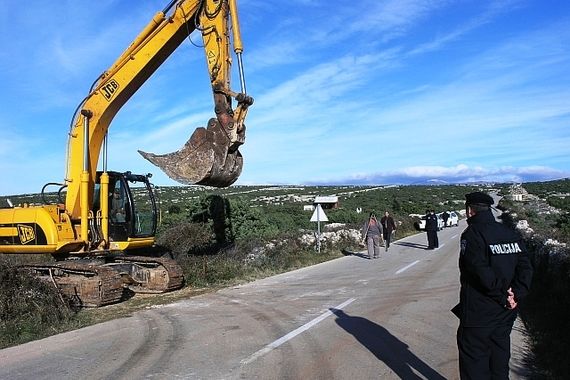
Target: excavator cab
{"x": 132, "y": 206}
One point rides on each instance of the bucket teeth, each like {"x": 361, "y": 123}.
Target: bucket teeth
{"x": 205, "y": 159}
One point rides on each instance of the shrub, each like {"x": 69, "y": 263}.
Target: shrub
{"x": 186, "y": 238}
{"x": 545, "y": 310}
{"x": 29, "y": 308}
{"x": 248, "y": 222}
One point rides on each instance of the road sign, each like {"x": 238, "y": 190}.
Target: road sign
{"x": 319, "y": 215}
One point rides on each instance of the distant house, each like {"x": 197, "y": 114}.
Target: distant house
{"x": 518, "y": 193}
{"x": 326, "y": 202}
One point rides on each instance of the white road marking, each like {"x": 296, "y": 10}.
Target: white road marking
{"x": 407, "y": 266}
{"x": 454, "y": 236}
{"x": 294, "y": 333}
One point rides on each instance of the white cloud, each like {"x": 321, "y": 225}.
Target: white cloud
{"x": 453, "y": 174}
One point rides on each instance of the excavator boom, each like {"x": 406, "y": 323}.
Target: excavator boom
{"x": 211, "y": 156}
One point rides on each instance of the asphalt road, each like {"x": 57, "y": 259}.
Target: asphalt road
{"x": 350, "y": 318}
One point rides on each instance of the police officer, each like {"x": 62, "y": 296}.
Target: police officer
{"x": 431, "y": 229}
{"x": 495, "y": 273}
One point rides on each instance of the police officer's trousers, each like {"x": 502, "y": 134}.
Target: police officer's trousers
{"x": 484, "y": 352}
{"x": 433, "y": 241}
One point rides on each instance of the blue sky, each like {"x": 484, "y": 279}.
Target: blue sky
{"x": 346, "y": 92}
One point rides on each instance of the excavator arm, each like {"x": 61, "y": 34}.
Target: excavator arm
{"x": 211, "y": 156}
{"x": 102, "y": 219}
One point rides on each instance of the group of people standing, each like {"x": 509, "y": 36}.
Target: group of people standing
{"x": 377, "y": 233}
{"x": 495, "y": 275}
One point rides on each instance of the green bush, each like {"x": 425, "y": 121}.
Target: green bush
{"x": 186, "y": 238}
{"x": 29, "y": 308}
{"x": 249, "y": 222}
{"x": 562, "y": 203}
{"x": 545, "y": 311}
{"x": 563, "y": 224}
{"x": 211, "y": 270}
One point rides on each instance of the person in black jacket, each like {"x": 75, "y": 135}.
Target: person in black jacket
{"x": 431, "y": 229}
{"x": 388, "y": 228}
{"x": 495, "y": 274}
{"x": 445, "y": 217}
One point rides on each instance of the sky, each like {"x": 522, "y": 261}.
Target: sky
{"x": 365, "y": 92}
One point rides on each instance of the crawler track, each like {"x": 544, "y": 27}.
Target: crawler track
{"x": 86, "y": 284}
{"x": 152, "y": 274}
{"x": 94, "y": 283}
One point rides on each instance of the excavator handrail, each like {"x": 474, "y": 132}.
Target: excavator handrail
{"x": 62, "y": 186}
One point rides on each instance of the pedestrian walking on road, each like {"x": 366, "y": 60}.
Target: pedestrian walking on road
{"x": 388, "y": 228}
{"x": 431, "y": 229}
{"x": 372, "y": 235}
{"x": 495, "y": 274}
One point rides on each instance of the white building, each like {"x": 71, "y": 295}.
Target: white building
{"x": 326, "y": 201}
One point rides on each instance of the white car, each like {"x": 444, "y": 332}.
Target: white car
{"x": 421, "y": 224}
{"x": 453, "y": 219}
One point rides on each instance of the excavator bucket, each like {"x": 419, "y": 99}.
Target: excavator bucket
{"x": 205, "y": 159}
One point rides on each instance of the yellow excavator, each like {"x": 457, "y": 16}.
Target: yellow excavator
{"x": 101, "y": 217}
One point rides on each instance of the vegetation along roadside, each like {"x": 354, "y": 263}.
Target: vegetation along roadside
{"x": 542, "y": 214}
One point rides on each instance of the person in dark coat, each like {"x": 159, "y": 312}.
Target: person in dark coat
{"x": 495, "y": 274}
{"x": 445, "y": 217}
{"x": 431, "y": 229}
{"x": 388, "y": 228}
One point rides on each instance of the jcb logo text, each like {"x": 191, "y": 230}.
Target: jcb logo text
{"x": 27, "y": 233}
{"x": 109, "y": 89}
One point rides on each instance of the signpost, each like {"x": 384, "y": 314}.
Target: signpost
{"x": 318, "y": 216}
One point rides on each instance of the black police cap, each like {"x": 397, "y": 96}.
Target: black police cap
{"x": 479, "y": 198}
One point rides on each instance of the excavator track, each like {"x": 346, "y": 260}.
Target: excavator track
{"x": 88, "y": 283}
{"x": 84, "y": 284}
{"x": 144, "y": 274}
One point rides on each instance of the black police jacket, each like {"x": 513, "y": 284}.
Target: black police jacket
{"x": 431, "y": 222}
{"x": 493, "y": 259}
